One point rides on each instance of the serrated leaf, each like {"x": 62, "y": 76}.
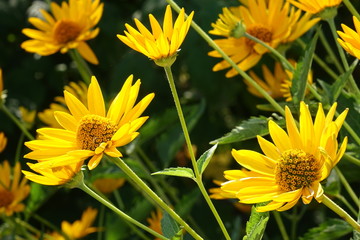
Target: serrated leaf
{"x": 301, "y": 72}
{"x": 205, "y": 158}
{"x": 255, "y": 226}
{"x": 248, "y": 129}
{"x": 169, "y": 227}
{"x": 178, "y": 171}
{"x": 331, "y": 229}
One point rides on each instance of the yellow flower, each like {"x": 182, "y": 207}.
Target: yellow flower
{"x": 69, "y": 26}
{"x": 155, "y": 222}
{"x": 351, "y": 39}
{"x": 315, "y": 6}
{"x": 3, "y": 141}
{"x": 108, "y": 185}
{"x": 79, "y": 90}
{"x": 162, "y": 44}
{"x": 277, "y": 84}
{"x": 89, "y": 132}
{"x": 13, "y": 189}
{"x": 293, "y": 166}
{"x": 27, "y": 116}
{"x": 79, "y": 228}
{"x": 262, "y": 20}
{"x": 228, "y": 25}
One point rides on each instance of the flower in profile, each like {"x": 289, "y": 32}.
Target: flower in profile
{"x": 155, "y": 222}
{"x": 351, "y": 39}
{"x": 3, "y": 141}
{"x": 315, "y": 6}
{"x": 68, "y": 26}
{"x": 90, "y": 132}
{"x": 79, "y": 90}
{"x": 108, "y": 185}
{"x": 261, "y": 19}
{"x": 293, "y": 166}
{"x": 277, "y": 84}
{"x": 78, "y": 229}
{"x": 13, "y": 189}
{"x": 161, "y": 44}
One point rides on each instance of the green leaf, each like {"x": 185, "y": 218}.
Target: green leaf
{"x": 205, "y": 158}
{"x": 169, "y": 226}
{"x": 331, "y": 229}
{"x": 256, "y": 225}
{"x": 301, "y": 72}
{"x": 248, "y": 129}
{"x": 178, "y": 171}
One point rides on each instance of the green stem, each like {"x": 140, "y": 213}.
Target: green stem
{"x": 344, "y": 201}
{"x": 347, "y": 186}
{"x": 243, "y": 74}
{"x": 351, "y": 8}
{"x": 281, "y": 225}
{"x": 339, "y": 211}
{"x": 82, "y": 66}
{"x": 17, "y": 122}
{"x": 319, "y": 61}
{"x": 191, "y": 152}
{"x": 140, "y": 183}
{"x": 19, "y": 148}
{"x": 353, "y": 86}
{"x": 352, "y": 159}
{"x": 30, "y": 228}
{"x": 330, "y": 51}
{"x": 126, "y": 217}
{"x": 101, "y": 221}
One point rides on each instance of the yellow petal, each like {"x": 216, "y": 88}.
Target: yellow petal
{"x": 95, "y": 98}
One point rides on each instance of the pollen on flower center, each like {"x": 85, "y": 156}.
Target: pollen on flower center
{"x": 259, "y": 32}
{"x": 94, "y": 130}
{"x": 6, "y": 198}
{"x": 296, "y": 169}
{"x": 66, "y": 31}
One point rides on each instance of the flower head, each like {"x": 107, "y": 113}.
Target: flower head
{"x": 13, "y": 189}
{"x": 90, "y": 132}
{"x": 78, "y": 229}
{"x": 161, "y": 44}
{"x": 293, "y": 166}
{"x": 68, "y": 26}
{"x": 351, "y": 39}
{"x": 261, "y": 19}
{"x": 315, "y": 6}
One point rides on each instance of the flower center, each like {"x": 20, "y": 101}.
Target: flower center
{"x": 296, "y": 169}
{"x": 66, "y": 31}
{"x": 259, "y": 32}
{"x": 94, "y": 130}
{"x": 6, "y": 198}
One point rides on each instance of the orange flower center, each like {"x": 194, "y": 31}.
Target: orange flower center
{"x": 6, "y": 198}
{"x": 296, "y": 169}
{"x": 94, "y": 130}
{"x": 66, "y": 31}
{"x": 259, "y": 32}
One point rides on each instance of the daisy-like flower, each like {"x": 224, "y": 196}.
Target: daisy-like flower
{"x": 293, "y": 166}
{"x": 315, "y": 6}
{"x": 277, "y": 84}
{"x": 161, "y": 44}
{"x": 261, "y": 19}
{"x": 3, "y": 141}
{"x": 78, "y": 229}
{"x": 13, "y": 189}
{"x": 351, "y": 39}
{"x": 155, "y": 222}
{"x": 90, "y": 132}
{"x": 79, "y": 90}
{"x": 69, "y": 27}
{"x": 228, "y": 25}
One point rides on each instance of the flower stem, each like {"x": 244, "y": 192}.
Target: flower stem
{"x": 353, "y": 86}
{"x": 330, "y": 51}
{"x": 351, "y": 8}
{"x": 126, "y": 217}
{"x": 191, "y": 152}
{"x": 339, "y": 211}
{"x": 281, "y": 226}
{"x": 17, "y": 122}
{"x": 347, "y": 186}
{"x": 140, "y": 183}
{"x": 352, "y": 159}
{"x": 247, "y": 78}
{"x": 82, "y": 66}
